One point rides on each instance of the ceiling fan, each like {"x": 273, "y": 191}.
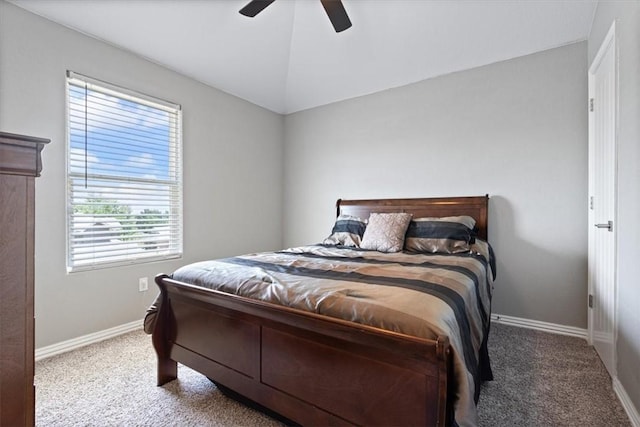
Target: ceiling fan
{"x": 334, "y": 8}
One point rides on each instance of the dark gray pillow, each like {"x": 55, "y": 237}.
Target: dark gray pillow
{"x": 453, "y": 234}
{"x": 347, "y": 231}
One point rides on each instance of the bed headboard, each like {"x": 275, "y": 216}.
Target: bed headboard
{"x": 476, "y": 207}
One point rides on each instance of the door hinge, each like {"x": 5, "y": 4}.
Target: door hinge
{"x": 591, "y": 202}
{"x": 591, "y": 105}
{"x": 590, "y": 301}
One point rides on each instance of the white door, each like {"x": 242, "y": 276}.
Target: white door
{"x": 602, "y": 203}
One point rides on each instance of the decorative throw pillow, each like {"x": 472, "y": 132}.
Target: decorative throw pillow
{"x": 385, "y": 231}
{"x": 347, "y": 231}
{"x": 452, "y": 234}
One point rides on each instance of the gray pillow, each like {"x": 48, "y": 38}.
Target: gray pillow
{"x": 385, "y": 232}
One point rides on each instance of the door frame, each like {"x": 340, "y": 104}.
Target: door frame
{"x": 610, "y": 41}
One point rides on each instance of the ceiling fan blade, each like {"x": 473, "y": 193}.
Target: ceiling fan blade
{"x": 254, "y": 7}
{"x": 337, "y": 15}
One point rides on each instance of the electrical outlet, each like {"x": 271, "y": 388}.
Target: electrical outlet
{"x": 143, "y": 284}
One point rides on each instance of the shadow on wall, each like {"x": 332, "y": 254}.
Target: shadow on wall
{"x": 538, "y": 278}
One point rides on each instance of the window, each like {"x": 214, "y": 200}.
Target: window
{"x": 124, "y": 177}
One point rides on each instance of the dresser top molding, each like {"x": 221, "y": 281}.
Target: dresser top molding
{"x": 20, "y": 154}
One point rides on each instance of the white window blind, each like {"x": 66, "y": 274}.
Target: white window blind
{"x": 124, "y": 177}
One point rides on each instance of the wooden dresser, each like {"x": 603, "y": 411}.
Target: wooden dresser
{"x": 20, "y": 163}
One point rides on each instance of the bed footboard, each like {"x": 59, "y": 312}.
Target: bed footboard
{"x": 309, "y": 368}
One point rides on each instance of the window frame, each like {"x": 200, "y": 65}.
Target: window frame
{"x": 174, "y": 183}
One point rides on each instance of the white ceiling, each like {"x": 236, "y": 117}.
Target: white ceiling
{"x": 288, "y": 58}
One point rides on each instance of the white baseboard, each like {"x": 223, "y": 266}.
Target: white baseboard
{"x": 627, "y": 404}
{"x": 72, "y": 344}
{"x": 540, "y": 326}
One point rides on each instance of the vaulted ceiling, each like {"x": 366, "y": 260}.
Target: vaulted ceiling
{"x": 289, "y": 58}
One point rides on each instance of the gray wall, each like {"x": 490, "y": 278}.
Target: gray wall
{"x": 515, "y": 129}
{"x": 232, "y": 169}
{"x": 627, "y": 17}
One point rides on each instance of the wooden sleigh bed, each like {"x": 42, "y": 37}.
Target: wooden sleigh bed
{"x": 310, "y": 368}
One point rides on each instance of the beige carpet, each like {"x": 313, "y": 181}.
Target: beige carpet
{"x": 113, "y": 384}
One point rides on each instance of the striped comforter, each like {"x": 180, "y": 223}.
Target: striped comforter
{"x": 422, "y": 295}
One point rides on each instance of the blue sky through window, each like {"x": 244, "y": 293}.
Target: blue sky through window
{"x": 125, "y": 140}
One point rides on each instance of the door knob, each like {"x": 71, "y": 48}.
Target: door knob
{"x": 608, "y": 225}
